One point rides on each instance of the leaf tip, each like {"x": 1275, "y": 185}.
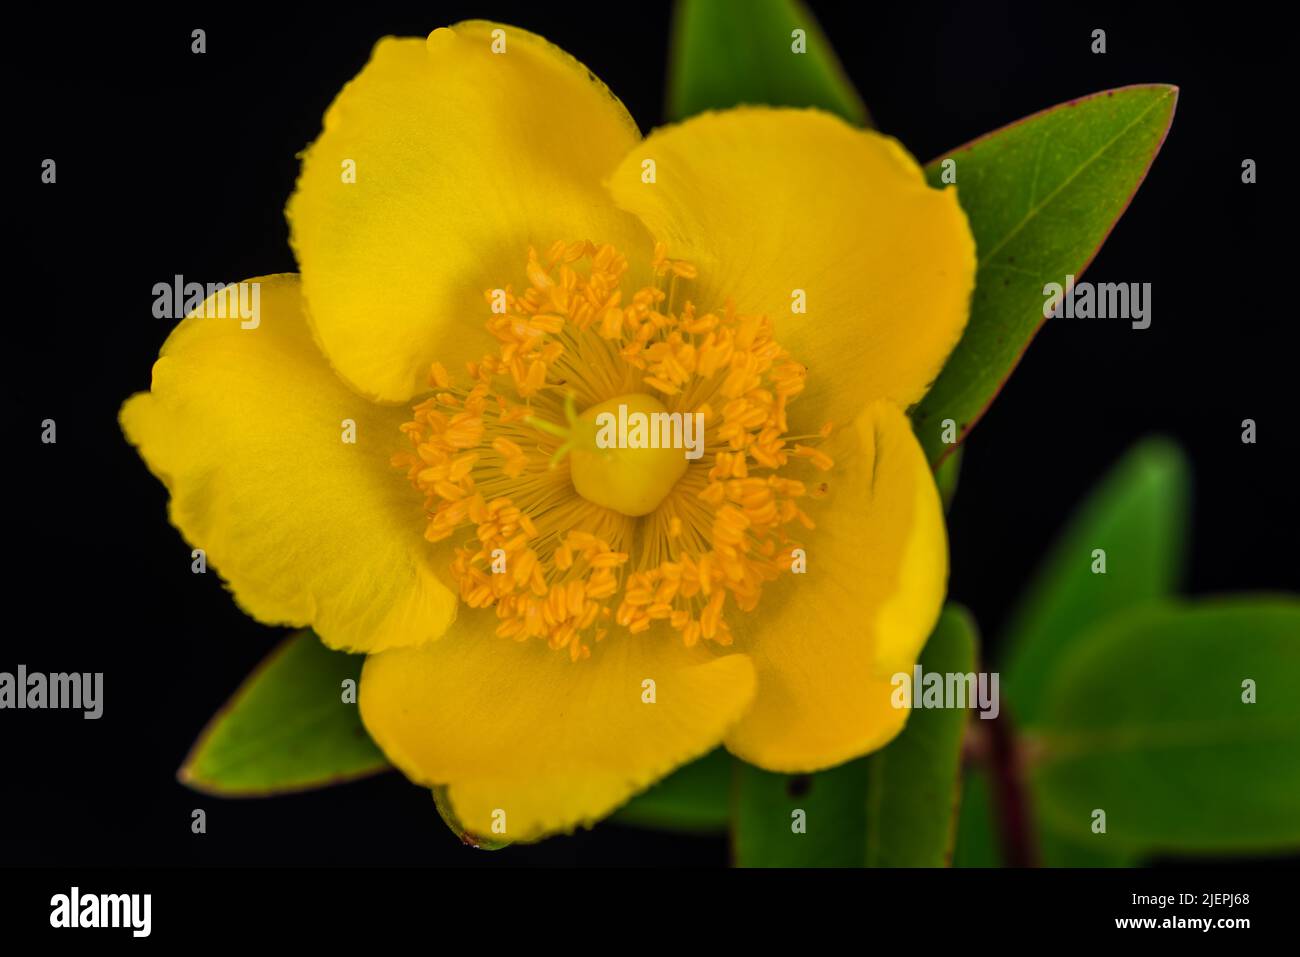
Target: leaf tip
{"x": 442, "y": 801}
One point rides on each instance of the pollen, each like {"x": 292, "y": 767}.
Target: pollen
{"x": 619, "y": 463}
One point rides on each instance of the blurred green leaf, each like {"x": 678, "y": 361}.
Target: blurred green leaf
{"x": 1041, "y": 195}
{"x": 1056, "y": 850}
{"x": 979, "y": 843}
{"x": 728, "y": 52}
{"x": 914, "y": 783}
{"x": 1138, "y": 515}
{"x": 945, "y": 476}
{"x": 696, "y": 798}
{"x": 977, "y": 834}
{"x": 895, "y": 808}
{"x": 286, "y": 728}
{"x": 1144, "y": 719}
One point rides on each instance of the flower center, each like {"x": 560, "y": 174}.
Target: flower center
{"x": 668, "y": 498}
{"x": 633, "y": 454}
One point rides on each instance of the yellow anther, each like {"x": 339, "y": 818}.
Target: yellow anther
{"x": 698, "y": 503}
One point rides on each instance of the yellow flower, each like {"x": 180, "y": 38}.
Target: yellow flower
{"x": 490, "y": 254}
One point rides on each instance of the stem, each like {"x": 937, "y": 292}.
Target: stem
{"x": 1015, "y": 818}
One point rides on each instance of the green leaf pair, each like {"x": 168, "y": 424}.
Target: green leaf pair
{"x": 1150, "y": 726}
{"x": 1179, "y": 720}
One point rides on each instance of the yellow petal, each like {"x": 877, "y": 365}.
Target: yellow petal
{"x": 827, "y": 642}
{"x": 245, "y": 427}
{"x": 770, "y": 202}
{"x": 520, "y": 729}
{"x": 463, "y": 159}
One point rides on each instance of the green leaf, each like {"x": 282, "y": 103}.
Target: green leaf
{"x": 287, "y": 728}
{"x": 945, "y": 476}
{"x": 1145, "y": 720}
{"x": 1041, "y": 196}
{"x": 978, "y": 843}
{"x": 1057, "y": 850}
{"x": 728, "y": 52}
{"x": 977, "y": 833}
{"x": 1138, "y": 516}
{"x": 693, "y": 799}
{"x": 914, "y": 783}
{"x": 833, "y": 805}
{"x": 894, "y": 808}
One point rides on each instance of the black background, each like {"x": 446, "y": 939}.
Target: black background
{"x": 174, "y": 163}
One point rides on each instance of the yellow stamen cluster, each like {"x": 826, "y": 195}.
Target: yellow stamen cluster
{"x": 494, "y": 457}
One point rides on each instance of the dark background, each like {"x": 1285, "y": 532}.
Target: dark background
{"x": 174, "y": 163}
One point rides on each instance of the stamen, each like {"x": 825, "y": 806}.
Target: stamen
{"x": 565, "y": 549}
